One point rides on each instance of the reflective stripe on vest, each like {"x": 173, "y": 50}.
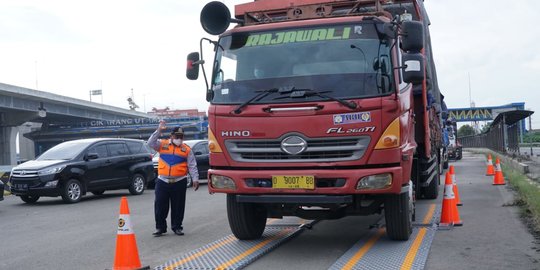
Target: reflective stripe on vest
{"x": 173, "y": 159}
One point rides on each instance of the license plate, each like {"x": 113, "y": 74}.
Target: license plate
{"x": 21, "y": 186}
{"x": 293, "y": 181}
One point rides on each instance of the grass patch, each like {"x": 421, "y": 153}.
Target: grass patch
{"x": 529, "y": 196}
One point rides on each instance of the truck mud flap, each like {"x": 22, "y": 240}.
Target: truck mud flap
{"x": 428, "y": 171}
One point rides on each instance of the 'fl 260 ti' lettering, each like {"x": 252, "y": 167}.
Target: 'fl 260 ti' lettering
{"x": 340, "y": 130}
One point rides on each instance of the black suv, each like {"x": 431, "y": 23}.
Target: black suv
{"x": 72, "y": 168}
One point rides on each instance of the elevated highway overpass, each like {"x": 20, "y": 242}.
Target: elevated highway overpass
{"x": 23, "y": 109}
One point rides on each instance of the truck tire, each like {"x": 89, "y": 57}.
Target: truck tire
{"x": 432, "y": 190}
{"x": 247, "y": 220}
{"x": 398, "y": 212}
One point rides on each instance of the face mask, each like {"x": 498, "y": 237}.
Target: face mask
{"x": 177, "y": 141}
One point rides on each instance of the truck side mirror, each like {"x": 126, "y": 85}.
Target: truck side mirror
{"x": 412, "y": 36}
{"x": 413, "y": 70}
{"x": 193, "y": 62}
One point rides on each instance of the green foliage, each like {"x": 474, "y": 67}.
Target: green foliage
{"x": 531, "y": 137}
{"x": 529, "y": 194}
{"x": 466, "y": 130}
{"x": 485, "y": 127}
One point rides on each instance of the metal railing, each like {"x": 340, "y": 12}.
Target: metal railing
{"x": 504, "y": 134}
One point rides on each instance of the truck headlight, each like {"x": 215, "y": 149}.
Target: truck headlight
{"x": 51, "y": 170}
{"x": 222, "y": 182}
{"x": 378, "y": 181}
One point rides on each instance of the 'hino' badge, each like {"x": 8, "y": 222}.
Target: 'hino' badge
{"x": 293, "y": 145}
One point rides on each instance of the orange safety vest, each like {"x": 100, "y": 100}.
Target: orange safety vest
{"x": 173, "y": 159}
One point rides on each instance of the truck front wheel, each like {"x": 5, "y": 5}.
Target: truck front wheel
{"x": 398, "y": 212}
{"x": 247, "y": 220}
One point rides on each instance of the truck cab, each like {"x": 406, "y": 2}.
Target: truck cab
{"x": 312, "y": 111}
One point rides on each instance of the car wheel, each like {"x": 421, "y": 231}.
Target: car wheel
{"x": 29, "y": 199}
{"x": 72, "y": 191}
{"x": 98, "y": 192}
{"x": 137, "y": 184}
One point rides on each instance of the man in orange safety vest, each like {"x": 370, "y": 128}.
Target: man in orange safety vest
{"x": 175, "y": 162}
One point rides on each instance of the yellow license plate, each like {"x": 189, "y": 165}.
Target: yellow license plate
{"x": 293, "y": 181}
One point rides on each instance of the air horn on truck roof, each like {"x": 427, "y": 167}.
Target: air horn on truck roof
{"x": 216, "y": 18}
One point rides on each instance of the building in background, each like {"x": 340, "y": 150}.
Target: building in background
{"x": 168, "y": 113}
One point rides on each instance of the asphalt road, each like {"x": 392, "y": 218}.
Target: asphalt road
{"x": 54, "y": 235}
{"x": 492, "y": 236}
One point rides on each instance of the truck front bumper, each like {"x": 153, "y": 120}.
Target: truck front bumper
{"x": 327, "y": 181}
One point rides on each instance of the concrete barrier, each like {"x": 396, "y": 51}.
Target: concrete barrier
{"x": 532, "y": 171}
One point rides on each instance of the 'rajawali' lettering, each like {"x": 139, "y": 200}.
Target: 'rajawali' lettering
{"x": 298, "y": 36}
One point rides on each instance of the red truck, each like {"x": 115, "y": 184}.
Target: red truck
{"x": 321, "y": 109}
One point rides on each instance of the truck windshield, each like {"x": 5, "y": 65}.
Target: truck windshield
{"x": 349, "y": 61}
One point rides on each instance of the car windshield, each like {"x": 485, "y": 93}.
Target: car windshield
{"x": 64, "y": 151}
{"x": 348, "y": 60}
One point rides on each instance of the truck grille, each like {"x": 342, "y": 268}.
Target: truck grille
{"x": 317, "y": 149}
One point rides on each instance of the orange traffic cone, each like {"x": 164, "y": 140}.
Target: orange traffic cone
{"x": 454, "y": 183}
{"x": 490, "y": 171}
{"x": 449, "y": 212}
{"x": 127, "y": 255}
{"x": 498, "y": 179}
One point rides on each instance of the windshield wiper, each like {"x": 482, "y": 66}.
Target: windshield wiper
{"x": 299, "y": 93}
{"x": 261, "y": 94}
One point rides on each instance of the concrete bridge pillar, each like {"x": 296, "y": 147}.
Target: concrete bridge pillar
{"x": 8, "y": 150}
{"x": 27, "y": 150}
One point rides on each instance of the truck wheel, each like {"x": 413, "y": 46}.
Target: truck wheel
{"x": 432, "y": 190}
{"x": 72, "y": 191}
{"x": 29, "y": 199}
{"x": 247, "y": 220}
{"x": 398, "y": 212}
{"x": 137, "y": 184}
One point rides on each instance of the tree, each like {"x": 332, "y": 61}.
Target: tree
{"x": 485, "y": 127}
{"x": 466, "y": 130}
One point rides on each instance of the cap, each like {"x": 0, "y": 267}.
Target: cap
{"x": 177, "y": 131}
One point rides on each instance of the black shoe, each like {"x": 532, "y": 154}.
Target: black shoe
{"x": 159, "y": 232}
{"x": 178, "y": 232}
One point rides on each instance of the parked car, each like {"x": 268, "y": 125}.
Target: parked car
{"x": 73, "y": 168}
{"x": 200, "y": 150}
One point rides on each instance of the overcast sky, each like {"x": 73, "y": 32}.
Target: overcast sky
{"x": 72, "y": 47}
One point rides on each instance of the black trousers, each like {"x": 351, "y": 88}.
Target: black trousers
{"x": 174, "y": 193}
